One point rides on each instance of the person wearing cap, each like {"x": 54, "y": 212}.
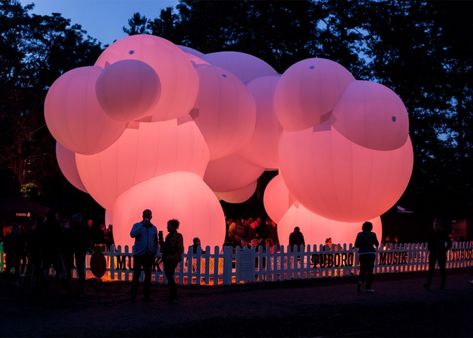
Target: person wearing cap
{"x": 144, "y": 253}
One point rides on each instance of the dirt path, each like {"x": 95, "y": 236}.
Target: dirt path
{"x": 400, "y": 307}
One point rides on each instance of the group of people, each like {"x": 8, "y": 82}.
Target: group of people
{"x": 252, "y": 232}
{"x": 55, "y": 241}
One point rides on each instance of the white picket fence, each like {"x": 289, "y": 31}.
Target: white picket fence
{"x": 235, "y": 266}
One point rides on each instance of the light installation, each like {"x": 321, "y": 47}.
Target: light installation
{"x": 165, "y": 127}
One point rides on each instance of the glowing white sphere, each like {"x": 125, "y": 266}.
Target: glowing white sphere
{"x": 67, "y": 163}
{"x": 74, "y": 116}
{"x": 307, "y": 91}
{"x": 316, "y": 228}
{"x": 225, "y": 111}
{"x": 231, "y": 173}
{"x": 340, "y": 180}
{"x": 263, "y": 146}
{"x": 372, "y": 116}
{"x": 179, "y": 81}
{"x": 246, "y": 67}
{"x": 153, "y": 149}
{"x": 180, "y": 195}
{"x": 127, "y": 89}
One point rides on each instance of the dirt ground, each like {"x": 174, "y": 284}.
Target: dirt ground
{"x": 400, "y": 307}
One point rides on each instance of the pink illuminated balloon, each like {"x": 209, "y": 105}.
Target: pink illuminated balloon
{"x": 338, "y": 179}
{"x": 316, "y": 228}
{"x": 231, "y": 173}
{"x": 180, "y": 195}
{"x": 307, "y": 91}
{"x": 128, "y": 89}
{"x": 152, "y": 149}
{"x": 74, "y": 116}
{"x": 179, "y": 81}
{"x": 238, "y": 196}
{"x": 277, "y": 199}
{"x": 67, "y": 163}
{"x": 192, "y": 51}
{"x": 263, "y": 147}
{"x": 372, "y": 116}
{"x": 246, "y": 67}
{"x": 225, "y": 111}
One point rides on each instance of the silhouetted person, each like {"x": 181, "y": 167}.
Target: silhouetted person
{"x": 67, "y": 252}
{"x": 172, "y": 249}
{"x": 144, "y": 253}
{"x": 296, "y": 238}
{"x": 438, "y": 245}
{"x": 196, "y": 245}
{"x": 82, "y": 244}
{"x": 367, "y": 243}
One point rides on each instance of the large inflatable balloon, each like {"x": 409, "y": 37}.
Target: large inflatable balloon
{"x": 246, "y": 67}
{"x": 239, "y": 195}
{"x": 153, "y": 149}
{"x": 316, "y": 229}
{"x": 66, "y": 160}
{"x": 179, "y": 81}
{"x": 225, "y": 111}
{"x": 277, "y": 199}
{"x": 74, "y": 116}
{"x": 263, "y": 146}
{"x": 231, "y": 173}
{"x": 372, "y": 115}
{"x": 127, "y": 89}
{"x": 180, "y": 195}
{"x": 308, "y": 90}
{"x": 340, "y": 180}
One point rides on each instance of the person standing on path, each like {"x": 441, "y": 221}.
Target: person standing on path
{"x": 172, "y": 249}
{"x": 438, "y": 246}
{"x": 144, "y": 253}
{"x": 367, "y": 244}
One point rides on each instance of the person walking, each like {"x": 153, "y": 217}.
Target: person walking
{"x": 144, "y": 253}
{"x": 172, "y": 249}
{"x": 438, "y": 245}
{"x": 367, "y": 243}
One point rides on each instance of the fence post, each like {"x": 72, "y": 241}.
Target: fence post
{"x": 227, "y": 265}
{"x": 111, "y": 267}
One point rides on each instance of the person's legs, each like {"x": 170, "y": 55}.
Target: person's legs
{"x": 369, "y": 270}
{"x": 442, "y": 259}
{"x": 169, "y": 269}
{"x": 363, "y": 269}
{"x": 147, "y": 264}
{"x": 80, "y": 266}
{"x": 137, "y": 263}
{"x": 430, "y": 273}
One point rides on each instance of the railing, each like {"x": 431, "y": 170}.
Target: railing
{"x": 234, "y": 266}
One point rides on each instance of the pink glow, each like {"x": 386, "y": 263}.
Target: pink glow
{"x": 277, "y": 198}
{"x": 225, "y": 111}
{"x": 340, "y": 180}
{"x": 316, "y": 228}
{"x": 238, "y": 196}
{"x": 231, "y": 173}
{"x": 180, "y": 195}
{"x": 155, "y": 148}
{"x": 74, "y": 116}
{"x": 245, "y": 66}
{"x": 67, "y": 163}
{"x": 127, "y": 89}
{"x": 179, "y": 81}
{"x": 263, "y": 146}
{"x": 372, "y": 116}
{"x": 307, "y": 90}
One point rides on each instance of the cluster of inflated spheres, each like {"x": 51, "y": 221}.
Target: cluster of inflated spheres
{"x": 165, "y": 127}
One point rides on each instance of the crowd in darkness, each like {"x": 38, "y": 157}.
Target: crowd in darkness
{"x": 57, "y": 241}
{"x": 251, "y": 232}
